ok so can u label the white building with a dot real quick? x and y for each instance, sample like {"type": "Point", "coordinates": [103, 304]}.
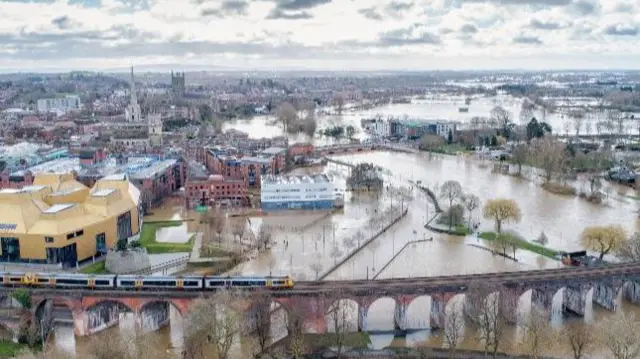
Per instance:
{"type": "Point", "coordinates": [65, 104]}
{"type": "Point", "coordinates": [378, 127]}
{"type": "Point", "coordinates": [297, 192]}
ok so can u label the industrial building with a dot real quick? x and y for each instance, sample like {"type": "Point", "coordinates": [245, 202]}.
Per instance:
{"type": "Point", "coordinates": [59, 221]}
{"type": "Point", "coordinates": [314, 192]}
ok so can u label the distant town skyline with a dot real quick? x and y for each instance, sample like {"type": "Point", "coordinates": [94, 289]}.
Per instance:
{"type": "Point", "coordinates": [63, 35]}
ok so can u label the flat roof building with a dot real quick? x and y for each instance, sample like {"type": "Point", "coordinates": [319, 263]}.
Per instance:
{"type": "Point", "coordinates": [58, 220]}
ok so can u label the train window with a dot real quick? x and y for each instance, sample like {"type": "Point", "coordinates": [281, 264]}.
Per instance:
{"type": "Point", "coordinates": [102, 282]}
{"type": "Point", "coordinates": [191, 283]}
{"type": "Point", "coordinates": [126, 282]}
{"type": "Point", "coordinates": [15, 279]}
{"type": "Point", "coordinates": [161, 283]}
{"type": "Point", "coordinates": [278, 282]}
{"type": "Point", "coordinates": [216, 283]}
{"type": "Point", "coordinates": [71, 281]}
{"type": "Point", "coordinates": [43, 280]}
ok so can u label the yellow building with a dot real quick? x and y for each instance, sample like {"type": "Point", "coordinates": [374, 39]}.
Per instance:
{"type": "Point", "coordinates": [58, 220]}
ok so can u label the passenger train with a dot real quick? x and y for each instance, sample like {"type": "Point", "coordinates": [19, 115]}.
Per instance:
{"type": "Point", "coordinates": [137, 282]}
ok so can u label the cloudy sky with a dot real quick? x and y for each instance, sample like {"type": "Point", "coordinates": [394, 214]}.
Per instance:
{"type": "Point", "coordinates": [321, 34]}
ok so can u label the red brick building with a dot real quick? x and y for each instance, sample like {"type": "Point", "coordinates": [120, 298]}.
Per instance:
{"type": "Point", "coordinates": [233, 166]}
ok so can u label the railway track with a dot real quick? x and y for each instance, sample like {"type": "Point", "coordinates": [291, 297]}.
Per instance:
{"type": "Point", "coordinates": [401, 285]}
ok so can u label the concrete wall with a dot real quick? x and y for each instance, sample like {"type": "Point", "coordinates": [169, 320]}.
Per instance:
{"type": "Point", "coordinates": [127, 261]}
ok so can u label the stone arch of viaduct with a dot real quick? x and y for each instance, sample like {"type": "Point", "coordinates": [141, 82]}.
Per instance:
{"type": "Point", "coordinates": [81, 308]}
{"type": "Point", "coordinates": [313, 310]}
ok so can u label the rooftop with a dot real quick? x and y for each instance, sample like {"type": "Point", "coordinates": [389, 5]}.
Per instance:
{"type": "Point", "coordinates": [31, 211]}
{"type": "Point", "coordinates": [58, 207]}
{"type": "Point", "coordinates": [273, 150]}
{"type": "Point", "coordinates": [103, 192]}
{"type": "Point", "coordinates": [136, 167]}
{"type": "Point", "coordinates": [271, 179]}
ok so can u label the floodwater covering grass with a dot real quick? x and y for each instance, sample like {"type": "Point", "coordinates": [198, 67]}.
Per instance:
{"type": "Point", "coordinates": [95, 268]}
{"type": "Point", "coordinates": [148, 239]}
{"type": "Point", "coordinates": [522, 244]}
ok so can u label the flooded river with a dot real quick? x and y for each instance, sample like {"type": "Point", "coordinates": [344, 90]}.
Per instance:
{"type": "Point", "coordinates": [305, 239]}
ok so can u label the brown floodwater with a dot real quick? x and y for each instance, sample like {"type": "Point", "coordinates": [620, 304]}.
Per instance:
{"type": "Point", "coordinates": [308, 238]}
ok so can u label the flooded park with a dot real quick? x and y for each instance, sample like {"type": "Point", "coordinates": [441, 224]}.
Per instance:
{"type": "Point", "coordinates": [308, 245]}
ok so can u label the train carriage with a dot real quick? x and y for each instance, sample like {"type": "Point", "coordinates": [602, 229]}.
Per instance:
{"type": "Point", "coordinates": [215, 282]}
{"type": "Point", "coordinates": [151, 282]}
{"type": "Point", "coordinates": [63, 280]}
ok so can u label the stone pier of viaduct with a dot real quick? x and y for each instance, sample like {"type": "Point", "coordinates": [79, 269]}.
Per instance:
{"type": "Point", "coordinates": [313, 302]}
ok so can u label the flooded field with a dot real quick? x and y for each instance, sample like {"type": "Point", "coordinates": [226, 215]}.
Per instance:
{"type": "Point", "coordinates": [303, 240]}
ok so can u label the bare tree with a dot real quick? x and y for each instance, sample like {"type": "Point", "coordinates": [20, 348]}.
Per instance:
{"type": "Point", "coordinates": [264, 236]}
{"type": "Point", "coordinates": [212, 323]}
{"type": "Point", "coordinates": [519, 156]}
{"type": "Point", "coordinates": [260, 318]}
{"type": "Point", "coordinates": [580, 339]}
{"type": "Point", "coordinates": [471, 203]}
{"type": "Point", "coordinates": [338, 102]}
{"type": "Point", "coordinates": [287, 114]}
{"type": "Point", "coordinates": [215, 222]}
{"type": "Point", "coordinates": [536, 333]}
{"type": "Point", "coordinates": [549, 156]}
{"type": "Point", "coordinates": [488, 317]}
{"type": "Point", "coordinates": [295, 328]}
{"type": "Point", "coordinates": [588, 127]}
{"type": "Point", "coordinates": [238, 228]}
{"type": "Point", "coordinates": [316, 267]}
{"type": "Point", "coordinates": [621, 335]}
{"type": "Point", "coordinates": [502, 118]}
{"type": "Point", "coordinates": [629, 250]}
{"type": "Point", "coordinates": [451, 191]}
{"type": "Point", "coordinates": [340, 314]}
{"type": "Point", "coordinates": [615, 122]}
{"type": "Point", "coordinates": [454, 322]}
{"type": "Point", "coordinates": [335, 253]}
{"type": "Point", "coordinates": [577, 116]}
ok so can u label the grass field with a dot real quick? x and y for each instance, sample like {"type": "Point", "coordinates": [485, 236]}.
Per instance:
{"type": "Point", "coordinates": [523, 244]}
{"type": "Point", "coordinates": [148, 239]}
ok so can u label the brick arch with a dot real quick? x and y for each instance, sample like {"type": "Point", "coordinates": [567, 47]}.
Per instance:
{"type": "Point", "coordinates": [179, 304]}
{"type": "Point", "coordinates": [93, 304]}
{"type": "Point", "coordinates": [74, 305]}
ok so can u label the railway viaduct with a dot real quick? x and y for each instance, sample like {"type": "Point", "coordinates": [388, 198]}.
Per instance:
{"type": "Point", "coordinates": [95, 310]}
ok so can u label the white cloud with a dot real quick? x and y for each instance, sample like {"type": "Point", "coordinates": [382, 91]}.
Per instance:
{"type": "Point", "coordinates": [404, 34]}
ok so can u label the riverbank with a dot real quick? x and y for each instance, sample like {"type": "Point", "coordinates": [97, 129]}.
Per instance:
{"type": "Point", "coordinates": [519, 243]}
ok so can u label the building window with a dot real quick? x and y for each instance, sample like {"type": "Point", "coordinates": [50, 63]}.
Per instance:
{"type": "Point", "coordinates": [101, 243]}
{"type": "Point", "coordinates": [70, 236]}
{"type": "Point", "coordinates": [79, 233]}
{"type": "Point", "coordinates": [124, 226]}
{"type": "Point", "coordinates": [10, 249]}
{"type": "Point", "coordinates": [48, 239]}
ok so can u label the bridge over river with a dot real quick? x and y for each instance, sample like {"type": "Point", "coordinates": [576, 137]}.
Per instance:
{"type": "Point", "coordinates": [94, 310]}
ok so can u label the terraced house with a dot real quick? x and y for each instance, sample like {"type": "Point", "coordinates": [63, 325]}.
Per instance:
{"type": "Point", "coordinates": [59, 221]}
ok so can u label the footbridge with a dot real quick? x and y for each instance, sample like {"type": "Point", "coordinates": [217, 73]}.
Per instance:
{"type": "Point", "coordinates": [94, 310]}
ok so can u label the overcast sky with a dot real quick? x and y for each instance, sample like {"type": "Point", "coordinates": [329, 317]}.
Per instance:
{"type": "Point", "coordinates": [321, 34]}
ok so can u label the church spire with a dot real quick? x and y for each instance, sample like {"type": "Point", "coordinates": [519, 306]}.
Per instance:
{"type": "Point", "coordinates": [134, 99]}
